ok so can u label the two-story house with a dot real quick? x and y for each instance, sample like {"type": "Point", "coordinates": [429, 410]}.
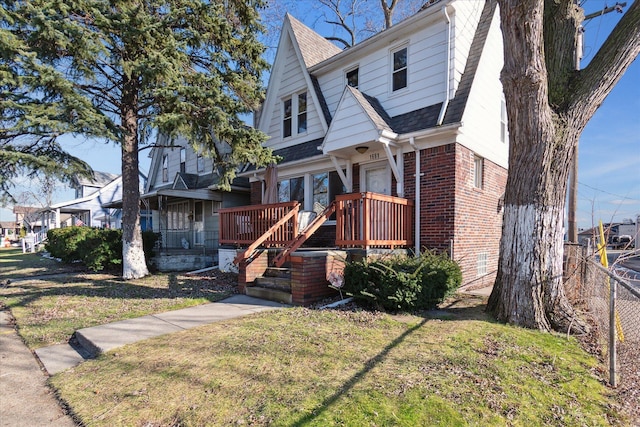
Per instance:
{"type": "Point", "coordinates": [183, 195]}
{"type": "Point", "coordinates": [405, 131]}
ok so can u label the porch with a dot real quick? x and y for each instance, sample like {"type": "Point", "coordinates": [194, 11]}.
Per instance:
{"type": "Point", "coordinates": [265, 238]}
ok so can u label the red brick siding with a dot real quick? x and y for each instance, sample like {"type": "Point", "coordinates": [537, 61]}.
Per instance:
{"type": "Point", "coordinates": [478, 217]}
{"type": "Point", "coordinates": [249, 271]}
{"type": "Point", "coordinates": [309, 277]}
{"type": "Point", "coordinates": [453, 211]}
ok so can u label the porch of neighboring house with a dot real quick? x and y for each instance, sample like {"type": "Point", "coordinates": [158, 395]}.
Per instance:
{"type": "Point", "coordinates": [187, 232]}
{"type": "Point", "coordinates": [269, 243]}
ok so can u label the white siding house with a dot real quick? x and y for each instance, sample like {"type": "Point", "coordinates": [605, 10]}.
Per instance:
{"type": "Point", "coordinates": [415, 112]}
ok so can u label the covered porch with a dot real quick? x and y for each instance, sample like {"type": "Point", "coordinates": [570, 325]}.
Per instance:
{"type": "Point", "coordinates": [264, 238]}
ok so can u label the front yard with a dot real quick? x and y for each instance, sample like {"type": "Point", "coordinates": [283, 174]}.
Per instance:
{"type": "Point", "coordinates": [299, 366]}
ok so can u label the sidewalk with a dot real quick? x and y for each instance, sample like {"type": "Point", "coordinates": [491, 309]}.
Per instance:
{"type": "Point", "coordinates": [25, 400]}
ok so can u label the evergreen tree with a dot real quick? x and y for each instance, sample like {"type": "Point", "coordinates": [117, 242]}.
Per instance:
{"type": "Point", "coordinates": [183, 67]}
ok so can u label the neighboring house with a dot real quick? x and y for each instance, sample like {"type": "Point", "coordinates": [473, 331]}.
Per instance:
{"type": "Point", "coordinates": [9, 230]}
{"type": "Point", "coordinates": [89, 208]}
{"type": "Point", "coordinates": [27, 217]}
{"type": "Point", "coordinates": [183, 195]}
{"type": "Point", "coordinates": [405, 131]}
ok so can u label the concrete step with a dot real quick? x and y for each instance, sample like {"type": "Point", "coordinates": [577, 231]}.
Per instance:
{"type": "Point", "coordinates": [269, 294]}
{"type": "Point", "coordinates": [278, 283]}
{"type": "Point", "coordinates": [278, 272]}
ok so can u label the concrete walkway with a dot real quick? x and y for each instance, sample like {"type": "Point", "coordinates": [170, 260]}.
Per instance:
{"type": "Point", "coordinates": [25, 399]}
{"type": "Point", "coordinates": [99, 339]}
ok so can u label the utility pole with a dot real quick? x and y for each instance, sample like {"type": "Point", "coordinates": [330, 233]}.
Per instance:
{"type": "Point", "coordinates": [572, 223]}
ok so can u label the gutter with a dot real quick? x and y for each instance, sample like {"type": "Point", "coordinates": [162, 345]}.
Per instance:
{"type": "Point", "coordinates": [412, 141]}
{"type": "Point", "coordinates": [445, 104]}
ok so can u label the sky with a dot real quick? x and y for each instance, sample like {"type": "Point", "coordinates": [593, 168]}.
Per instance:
{"type": "Point", "coordinates": [609, 151]}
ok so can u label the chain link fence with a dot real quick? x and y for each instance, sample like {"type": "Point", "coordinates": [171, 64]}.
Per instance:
{"type": "Point", "coordinates": [611, 298]}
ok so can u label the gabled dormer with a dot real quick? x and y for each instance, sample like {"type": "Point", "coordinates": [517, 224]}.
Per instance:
{"type": "Point", "coordinates": [295, 108]}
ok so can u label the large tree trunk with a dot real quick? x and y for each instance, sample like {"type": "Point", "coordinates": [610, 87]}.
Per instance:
{"type": "Point", "coordinates": [528, 290]}
{"type": "Point", "coordinates": [134, 265]}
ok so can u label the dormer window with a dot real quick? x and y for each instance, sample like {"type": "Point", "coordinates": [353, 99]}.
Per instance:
{"type": "Point", "coordinates": [297, 103]}
{"type": "Point", "coordinates": [183, 160]}
{"type": "Point", "coordinates": [302, 112]}
{"type": "Point", "coordinates": [399, 78]}
{"type": "Point", "coordinates": [200, 163]}
{"type": "Point", "coordinates": [352, 78]}
{"type": "Point", "coordinates": [286, 121]}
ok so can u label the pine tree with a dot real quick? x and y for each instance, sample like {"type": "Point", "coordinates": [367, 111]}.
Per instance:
{"type": "Point", "coordinates": [184, 67]}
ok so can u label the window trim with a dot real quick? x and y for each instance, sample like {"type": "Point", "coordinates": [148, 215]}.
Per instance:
{"type": "Point", "coordinates": [504, 121]}
{"type": "Point", "coordinates": [393, 71]}
{"type": "Point", "coordinates": [183, 159]}
{"type": "Point", "coordinates": [287, 118]}
{"type": "Point", "coordinates": [301, 113]}
{"type": "Point", "coordinates": [357, 73]}
{"type": "Point", "coordinates": [165, 168]}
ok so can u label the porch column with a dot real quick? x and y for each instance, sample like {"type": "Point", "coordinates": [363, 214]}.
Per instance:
{"type": "Point", "coordinates": [57, 218]}
{"type": "Point", "coordinates": [397, 170]}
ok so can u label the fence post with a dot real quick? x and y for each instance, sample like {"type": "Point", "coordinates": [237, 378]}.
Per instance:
{"type": "Point", "coordinates": [612, 332]}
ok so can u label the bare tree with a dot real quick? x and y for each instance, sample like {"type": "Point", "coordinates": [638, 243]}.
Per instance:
{"type": "Point", "coordinates": [549, 103]}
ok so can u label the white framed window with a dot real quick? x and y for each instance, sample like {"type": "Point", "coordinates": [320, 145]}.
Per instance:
{"type": "Point", "coordinates": [297, 103]}
{"type": "Point", "coordinates": [178, 216]}
{"type": "Point", "coordinates": [478, 171]}
{"type": "Point", "coordinates": [286, 118]}
{"type": "Point", "coordinates": [183, 159]}
{"type": "Point", "coordinates": [302, 112]}
{"type": "Point", "coordinates": [352, 77]}
{"type": "Point", "coordinates": [399, 72]}
{"type": "Point", "coordinates": [200, 163]}
{"type": "Point", "coordinates": [504, 130]}
{"type": "Point", "coordinates": [481, 264]}
{"type": "Point", "coordinates": [320, 192]}
{"type": "Point", "coordinates": [165, 168]}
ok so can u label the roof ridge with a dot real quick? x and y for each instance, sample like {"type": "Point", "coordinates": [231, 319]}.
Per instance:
{"type": "Point", "coordinates": [313, 47]}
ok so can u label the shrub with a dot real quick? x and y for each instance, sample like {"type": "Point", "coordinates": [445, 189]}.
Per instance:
{"type": "Point", "coordinates": [101, 248]}
{"type": "Point", "coordinates": [95, 247]}
{"type": "Point", "coordinates": [402, 282]}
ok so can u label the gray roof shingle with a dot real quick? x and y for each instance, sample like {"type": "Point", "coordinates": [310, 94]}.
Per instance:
{"type": "Point", "coordinates": [313, 46]}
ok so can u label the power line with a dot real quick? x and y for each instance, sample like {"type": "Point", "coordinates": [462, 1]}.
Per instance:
{"type": "Point", "coordinates": [606, 192]}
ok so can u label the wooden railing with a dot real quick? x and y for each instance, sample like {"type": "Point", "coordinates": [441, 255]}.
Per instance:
{"type": "Point", "coordinates": [373, 220]}
{"type": "Point", "coordinates": [242, 226]}
{"type": "Point", "coordinates": [367, 220]}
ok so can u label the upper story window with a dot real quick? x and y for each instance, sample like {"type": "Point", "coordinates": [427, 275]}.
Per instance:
{"type": "Point", "coordinates": [399, 78]}
{"type": "Point", "coordinates": [297, 103]}
{"type": "Point", "coordinates": [286, 121]}
{"type": "Point", "coordinates": [352, 78]}
{"type": "Point", "coordinates": [504, 130]}
{"type": "Point", "coordinates": [165, 168]}
{"type": "Point", "coordinates": [183, 160]}
{"type": "Point", "coordinates": [200, 162]}
{"type": "Point", "coordinates": [302, 112]}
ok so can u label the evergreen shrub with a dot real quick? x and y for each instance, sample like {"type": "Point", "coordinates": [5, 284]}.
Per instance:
{"type": "Point", "coordinates": [96, 248]}
{"type": "Point", "coordinates": [403, 283]}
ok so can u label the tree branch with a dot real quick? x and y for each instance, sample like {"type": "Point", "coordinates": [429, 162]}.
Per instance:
{"type": "Point", "coordinates": [592, 85]}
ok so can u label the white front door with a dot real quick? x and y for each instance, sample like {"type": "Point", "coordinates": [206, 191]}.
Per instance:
{"type": "Point", "coordinates": [377, 179]}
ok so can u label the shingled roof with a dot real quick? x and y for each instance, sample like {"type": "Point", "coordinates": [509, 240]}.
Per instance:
{"type": "Point", "coordinates": [313, 46]}
{"type": "Point", "coordinates": [456, 106]}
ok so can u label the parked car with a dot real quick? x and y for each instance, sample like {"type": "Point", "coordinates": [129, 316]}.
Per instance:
{"type": "Point", "coordinates": [621, 242]}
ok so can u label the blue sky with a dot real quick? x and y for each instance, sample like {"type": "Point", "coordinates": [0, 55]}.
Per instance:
{"type": "Point", "coordinates": [609, 152]}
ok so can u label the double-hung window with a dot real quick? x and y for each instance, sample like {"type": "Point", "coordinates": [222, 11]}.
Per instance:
{"type": "Point", "coordinates": [297, 103]}
{"type": "Point", "coordinates": [183, 160]}
{"type": "Point", "coordinates": [287, 120]}
{"type": "Point", "coordinates": [399, 77]}
{"type": "Point", "coordinates": [165, 168]}
{"type": "Point", "coordinates": [352, 78]}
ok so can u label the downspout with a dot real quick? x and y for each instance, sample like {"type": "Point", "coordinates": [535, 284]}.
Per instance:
{"type": "Point", "coordinates": [412, 141]}
{"type": "Point", "coordinates": [445, 104]}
